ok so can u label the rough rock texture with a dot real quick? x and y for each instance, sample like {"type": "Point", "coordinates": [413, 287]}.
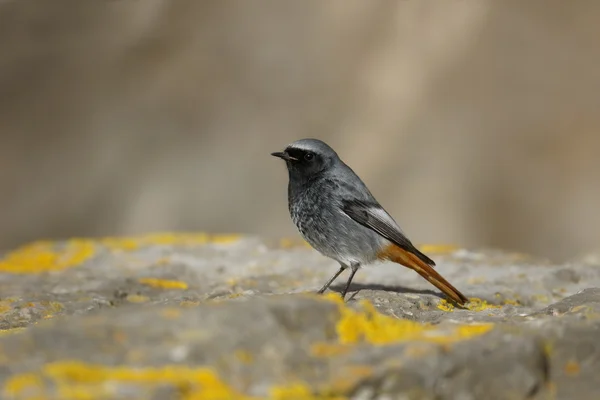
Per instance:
{"type": "Point", "coordinates": [224, 317]}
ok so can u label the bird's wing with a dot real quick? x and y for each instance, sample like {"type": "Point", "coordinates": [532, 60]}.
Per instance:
{"type": "Point", "coordinates": [373, 216]}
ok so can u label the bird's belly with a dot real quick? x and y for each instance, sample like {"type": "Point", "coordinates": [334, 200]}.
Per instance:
{"type": "Point", "coordinates": [336, 235]}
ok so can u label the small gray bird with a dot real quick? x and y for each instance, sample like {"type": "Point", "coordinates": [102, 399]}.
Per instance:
{"type": "Point", "coordinates": [339, 217]}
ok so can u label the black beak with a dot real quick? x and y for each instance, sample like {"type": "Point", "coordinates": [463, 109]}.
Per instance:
{"type": "Point", "coordinates": [283, 155]}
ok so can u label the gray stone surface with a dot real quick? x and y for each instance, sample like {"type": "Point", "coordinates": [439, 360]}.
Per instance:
{"type": "Point", "coordinates": [212, 317]}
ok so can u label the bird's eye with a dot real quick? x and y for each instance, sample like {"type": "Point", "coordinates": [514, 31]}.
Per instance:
{"type": "Point", "coordinates": [308, 156]}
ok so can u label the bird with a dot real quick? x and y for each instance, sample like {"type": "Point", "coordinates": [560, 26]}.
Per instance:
{"type": "Point", "coordinates": [338, 216]}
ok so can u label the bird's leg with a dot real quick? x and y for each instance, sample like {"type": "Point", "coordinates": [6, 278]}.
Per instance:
{"type": "Point", "coordinates": [330, 281]}
{"type": "Point", "coordinates": [355, 268]}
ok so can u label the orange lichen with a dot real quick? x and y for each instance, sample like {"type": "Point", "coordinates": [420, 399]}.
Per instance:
{"type": "Point", "coordinates": [286, 243]}
{"type": "Point", "coordinates": [119, 337]}
{"type": "Point", "coordinates": [171, 313]}
{"type": "Point", "coordinates": [163, 283]}
{"type": "Point", "coordinates": [572, 368]}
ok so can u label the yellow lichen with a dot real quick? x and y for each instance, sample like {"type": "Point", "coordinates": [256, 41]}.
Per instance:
{"type": "Point", "coordinates": [541, 298]}
{"type": "Point", "coordinates": [51, 308]}
{"type": "Point", "coordinates": [44, 256]}
{"type": "Point", "coordinates": [445, 305]}
{"type": "Point", "coordinates": [476, 280]}
{"type": "Point", "coordinates": [438, 248]}
{"type": "Point", "coordinates": [189, 303]}
{"type": "Point", "coordinates": [370, 326]}
{"type": "Point", "coordinates": [75, 380]}
{"type": "Point", "coordinates": [47, 256]}
{"type": "Point", "coordinates": [137, 298]}
{"type": "Point", "coordinates": [469, 331]}
{"type": "Point", "coordinates": [417, 350]}
{"type": "Point", "coordinates": [299, 391]}
{"type": "Point", "coordinates": [548, 348]}
{"type": "Point", "coordinates": [163, 283]}
{"type": "Point", "coordinates": [224, 239]}
{"type": "Point", "coordinates": [579, 308]}
{"type": "Point", "coordinates": [330, 296]}
{"type": "Point", "coordinates": [244, 356]}
{"type": "Point", "coordinates": [328, 349]}
{"type": "Point", "coordinates": [120, 244]}
{"type": "Point", "coordinates": [28, 386]}
{"type": "Point", "coordinates": [78, 381]}
{"type": "Point", "coordinates": [288, 243]}
{"type": "Point", "coordinates": [166, 239]}
{"type": "Point", "coordinates": [163, 261]}
{"type": "Point", "coordinates": [348, 376]}
{"type": "Point", "coordinates": [5, 306]}
{"type": "Point", "coordinates": [11, 330]}
{"type": "Point", "coordinates": [476, 304]}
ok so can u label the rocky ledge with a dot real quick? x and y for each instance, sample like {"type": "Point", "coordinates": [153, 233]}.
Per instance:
{"type": "Point", "coordinates": [195, 316]}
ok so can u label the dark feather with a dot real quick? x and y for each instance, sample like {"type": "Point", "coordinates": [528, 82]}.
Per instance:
{"type": "Point", "coordinates": [373, 216]}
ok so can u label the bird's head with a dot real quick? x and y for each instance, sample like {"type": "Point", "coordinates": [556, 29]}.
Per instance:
{"type": "Point", "coordinates": [307, 158]}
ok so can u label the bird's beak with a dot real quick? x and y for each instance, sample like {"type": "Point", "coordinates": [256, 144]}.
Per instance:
{"type": "Point", "coordinates": [285, 156]}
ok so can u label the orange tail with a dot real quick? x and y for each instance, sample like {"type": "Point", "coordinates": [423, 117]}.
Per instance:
{"type": "Point", "coordinates": [403, 257]}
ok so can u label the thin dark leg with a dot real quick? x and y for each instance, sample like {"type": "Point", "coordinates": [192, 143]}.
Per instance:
{"type": "Point", "coordinates": [354, 269]}
{"type": "Point", "coordinates": [329, 282]}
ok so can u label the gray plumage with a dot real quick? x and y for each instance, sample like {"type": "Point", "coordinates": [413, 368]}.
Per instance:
{"type": "Point", "coordinates": [335, 212]}
{"type": "Point", "coordinates": [316, 205]}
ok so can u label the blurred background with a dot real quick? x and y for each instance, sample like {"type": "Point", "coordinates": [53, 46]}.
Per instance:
{"type": "Point", "coordinates": [474, 122]}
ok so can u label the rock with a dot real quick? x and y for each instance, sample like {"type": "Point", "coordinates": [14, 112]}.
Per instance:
{"type": "Point", "coordinates": [195, 316]}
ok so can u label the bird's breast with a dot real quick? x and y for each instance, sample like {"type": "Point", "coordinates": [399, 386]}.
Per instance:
{"type": "Point", "coordinates": [322, 223]}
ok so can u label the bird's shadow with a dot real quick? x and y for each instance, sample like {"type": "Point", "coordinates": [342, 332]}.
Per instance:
{"type": "Point", "coordinates": [357, 287]}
